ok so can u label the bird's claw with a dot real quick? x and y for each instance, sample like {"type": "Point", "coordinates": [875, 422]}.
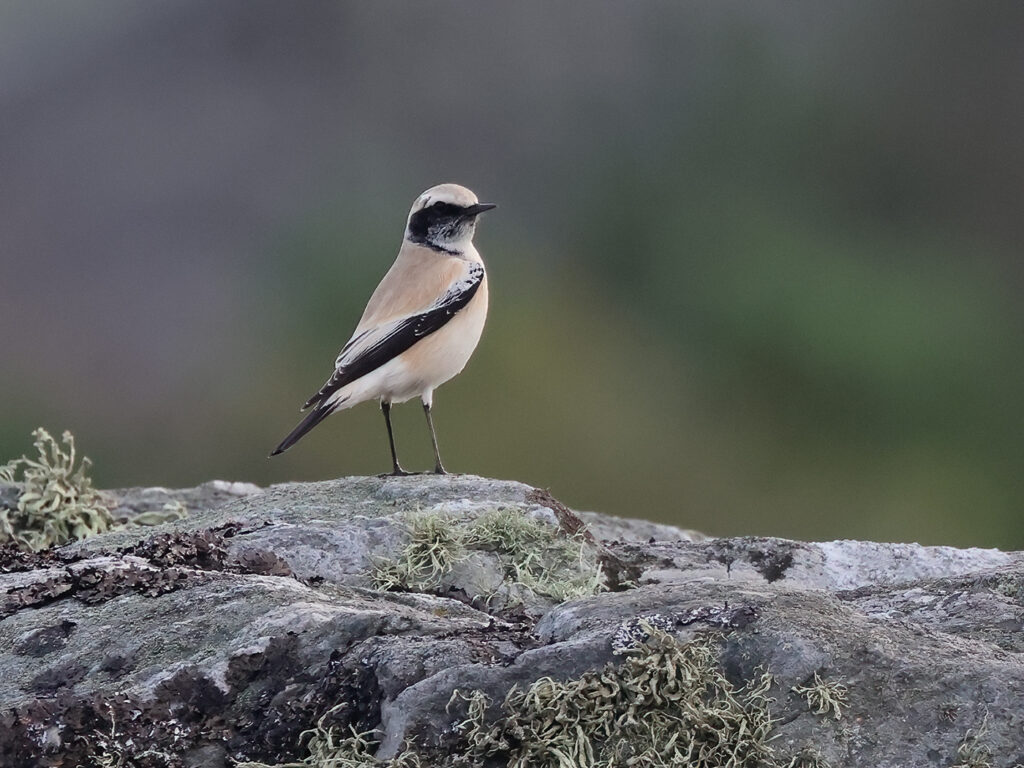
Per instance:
{"type": "Point", "coordinates": [397, 472]}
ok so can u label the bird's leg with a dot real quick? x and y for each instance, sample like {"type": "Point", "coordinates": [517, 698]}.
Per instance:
{"type": "Point", "coordinates": [438, 466]}
{"type": "Point", "coordinates": [397, 468]}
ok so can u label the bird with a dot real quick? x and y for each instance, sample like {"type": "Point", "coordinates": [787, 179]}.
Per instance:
{"type": "Point", "coordinates": [422, 322]}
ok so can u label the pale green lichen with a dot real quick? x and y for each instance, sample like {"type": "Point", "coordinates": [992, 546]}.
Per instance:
{"type": "Point", "coordinates": [809, 758]}
{"type": "Point", "coordinates": [537, 556]}
{"type": "Point", "coordinates": [168, 513]}
{"type": "Point", "coordinates": [435, 543]}
{"type": "Point", "coordinates": [973, 752]}
{"type": "Point", "coordinates": [509, 532]}
{"type": "Point", "coordinates": [669, 704]}
{"type": "Point", "coordinates": [533, 555]}
{"type": "Point", "coordinates": [823, 698]}
{"type": "Point", "coordinates": [56, 502]}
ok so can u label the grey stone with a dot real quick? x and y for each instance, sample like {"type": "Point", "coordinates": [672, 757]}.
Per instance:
{"type": "Point", "coordinates": [222, 635]}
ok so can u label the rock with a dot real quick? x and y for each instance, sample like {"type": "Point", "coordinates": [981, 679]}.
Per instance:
{"type": "Point", "coordinates": [223, 635]}
{"type": "Point", "coordinates": [610, 528]}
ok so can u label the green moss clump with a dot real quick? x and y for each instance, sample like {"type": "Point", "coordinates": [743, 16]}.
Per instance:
{"type": "Point", "coordinates": [668, 704]}
{"type": "Point", "coordinates": [823, 698]}
{"type": "Point", "coordinates": [57, 502]}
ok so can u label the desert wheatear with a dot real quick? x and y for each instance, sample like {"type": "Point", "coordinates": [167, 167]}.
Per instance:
{"type": "Point", "coordinates": [421, 324]}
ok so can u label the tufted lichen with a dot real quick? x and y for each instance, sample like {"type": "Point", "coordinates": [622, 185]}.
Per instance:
{"type": "Point", "coordinates": [823, 698]}
{"type": "Point", "coordinates": [435, 543]}
{"type": "Point", "coordinates": [668, 704]}
{"type": "Point", "coordinates": [56, 502]}
{"type": "Point", "coordinates": [537, 557]}
{"type": "Point", "coordinates": [534, 556]}
{"type": "Point", "coordinates": [973, 751]}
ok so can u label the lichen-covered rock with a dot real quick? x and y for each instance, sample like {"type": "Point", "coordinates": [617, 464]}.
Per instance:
{"type": "Point", "coordinates": [222, 635]}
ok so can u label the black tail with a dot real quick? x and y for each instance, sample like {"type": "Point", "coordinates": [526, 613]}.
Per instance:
{"type": "Point", "coordinates": [313, 418]}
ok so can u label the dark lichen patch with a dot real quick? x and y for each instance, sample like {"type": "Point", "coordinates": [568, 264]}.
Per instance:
{"type": "Point", "coordinates": [721, 616]}
{"type": "Point", "coordinates": [92, 584]}
{"type": "Point", "coordinates": [45, 640]}
{"type": "Point", "coordinates": [36, 594]}
{"type": "Point", "coordinates": [263, 563]}
{"type": "Point", "coordinates": [275, 659]}
{"type": "Point", "coordinates": [207, 550]}
{"type": "Point", "coordinates": [98, 733]}
{"type": "Point", "coordinates": [260, 717]}
{"type": "Point", "coordinates": [117, 664]}
{"type": "Point", "coordinates": [291, 700]}
{"type": "Point", "coordinates": [498, 642]}
{"type": "Point", "coordinates": [771, 563]}
{"type": "Point", "coordinates": [771, 558]}
{"type": "Point", "coordinates": [14, 559]}
{"type": "Point", "coordinates": [191, 696]}
{"type": "Point", "coordinates": [170, 562]}
{"type": "Point", "coordinates": [62, 675]}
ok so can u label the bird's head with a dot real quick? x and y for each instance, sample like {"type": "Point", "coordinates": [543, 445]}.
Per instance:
{"type": "Point", "coordinates": [444, 218]}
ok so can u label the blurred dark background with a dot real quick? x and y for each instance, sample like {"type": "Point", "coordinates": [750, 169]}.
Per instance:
{"type": "Point", "coordinates": [756, 267]}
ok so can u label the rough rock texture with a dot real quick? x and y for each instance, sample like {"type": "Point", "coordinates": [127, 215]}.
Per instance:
{"type": "Point", "coordinates": [226, 633]}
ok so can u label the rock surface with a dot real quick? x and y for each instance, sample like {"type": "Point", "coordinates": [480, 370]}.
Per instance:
{"type": "Point", "coordinates": [222, 635]}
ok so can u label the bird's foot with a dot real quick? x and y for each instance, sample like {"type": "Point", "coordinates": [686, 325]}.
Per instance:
{"type": "Point", "coordinates": [440, 470]}
{"type": "Point", "coordinates": [397, 472]}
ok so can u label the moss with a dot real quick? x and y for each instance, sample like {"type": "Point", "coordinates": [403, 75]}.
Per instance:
{"type": "Point", "coordinates": [823, 698]}
{"type": "Point", "coordinates": [57, 502]}
{"type": "Point", "coordinates": [533, 555]}
{"type": "Point", "coordinates": [668, 704]}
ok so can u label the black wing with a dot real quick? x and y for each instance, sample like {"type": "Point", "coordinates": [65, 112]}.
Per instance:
{"type": "Point", "coordinates": [397, 340]}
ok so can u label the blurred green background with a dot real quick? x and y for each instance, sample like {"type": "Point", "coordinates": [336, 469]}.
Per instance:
{"type": "Point", "coordinates": [756, 267]}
